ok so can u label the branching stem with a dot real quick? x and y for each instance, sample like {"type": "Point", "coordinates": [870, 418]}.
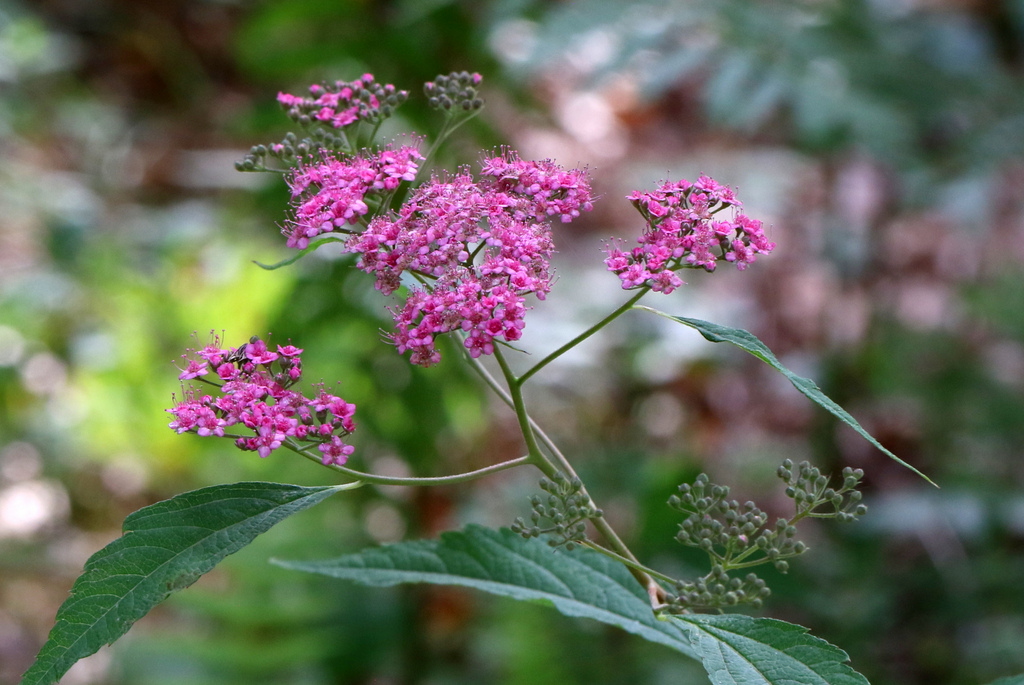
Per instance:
{"type": "Point", "coordinates": [375, 479]}
{"type": "Point", "coordinates": [513, 397]}
{"type": "Point", "coordinates": [584, 335]}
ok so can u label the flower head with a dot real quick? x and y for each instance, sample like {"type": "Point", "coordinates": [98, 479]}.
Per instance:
{"type": "Point", "coordinates": [477, 247]}
{"type": "Point", "coordinates": [684, 231]}
{"type": "Point", "coordinates": [330, 192]}
{"type": "Point", "coordinates": [256, 395]}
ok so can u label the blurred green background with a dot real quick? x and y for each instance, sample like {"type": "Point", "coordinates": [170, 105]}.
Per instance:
{"type": "Point", "coordinates": [881, 140]}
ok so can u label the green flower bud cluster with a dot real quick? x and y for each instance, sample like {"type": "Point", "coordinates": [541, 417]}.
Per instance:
{"type": "Point", "coordinates": [809, 489]}
{"type": "Point", "coordinates": [454, 91]}
{"type": "Point", "coordinates": [377, 101]}
{"type": "Point", "coordinates": [720, 527]}
{"type": "Point", "coordinates": [562, 514]}
{"type": "Point", "coordinates": [716, 591]}
{"type": "Point", "coordinates": [291, 148]}
{"type": "Point", "coordinates": [737, 536]}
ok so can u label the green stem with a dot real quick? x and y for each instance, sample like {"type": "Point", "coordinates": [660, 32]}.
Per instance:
{"type": "Point", "coordinates": [584, 335]}
{"type": "Point", "coordinates": [462, 121]}
{"type": "Point", "coordinates": [514, 398]}
{"type": "Point", "coordinates": [373, 132]}
{"type": "Point", "coordinates": [515, 390]}
{"type": "Point", "coordinates": [447, 129]}
{"type": "Point", "coordinates": [492, 382]}
{"type": "Point", "coordinates": [626, 561]}
{"type": "Point", "coordinates": [374, 479]}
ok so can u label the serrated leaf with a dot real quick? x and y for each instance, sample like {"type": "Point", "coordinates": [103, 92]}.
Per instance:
{"type": "Point", "coordinates": [750, 343]}
{"type": "Point", "coordinates": [165, 547]}
{"type": "Point", "coordinates": [740, 650]}
{"type": "Point", "coordinates": [578, 583]}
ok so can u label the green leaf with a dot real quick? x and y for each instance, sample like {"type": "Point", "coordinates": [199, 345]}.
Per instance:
{"type": "Point", "coordinates": [739, 649]}
{"type": "Point", "coordinates": [579, 583]}
{"type": "Point", "coordinates": [747, 341]}
{"type": "Point", "coordinates": [165, 547]}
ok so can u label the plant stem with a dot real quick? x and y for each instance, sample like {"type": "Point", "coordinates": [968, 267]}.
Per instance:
{"type": "Point", "coordinates": [514, 398]}
{"type": "Point", "coordinates": [584, 335]}
{"type": "Point", "coordinates": [515, 393]}
{"type": "Point", "coordinates": [374, 479]}
{"type": "Point", "coordinates": [631, 563]}
{"type": "Point", "coordinates": [451, 123]}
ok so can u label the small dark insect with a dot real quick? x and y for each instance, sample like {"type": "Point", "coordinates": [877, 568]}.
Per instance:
{"type": "Point", "coordinates": [237, 356]}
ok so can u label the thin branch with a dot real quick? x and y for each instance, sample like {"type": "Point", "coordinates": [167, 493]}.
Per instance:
{"type": "Point", "coordinates": [584, 335]}
{"type": "Point", "coordinates": [375, 479]}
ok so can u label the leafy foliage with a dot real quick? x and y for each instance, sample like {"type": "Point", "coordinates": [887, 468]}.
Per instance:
{"type": "Point", "coordinates": [500, 562]}
{"type": "Point", "coordinates": [165, 548]}
{"type": "Point", "coordinates": [740, 649]}
{"type": "Point", "coordinates": [748, 342]}
{"type": "Point", "coordinates": [733, 649]}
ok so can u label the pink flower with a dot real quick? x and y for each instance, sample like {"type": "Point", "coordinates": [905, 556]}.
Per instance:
{"type": "Point", "coordinates": [227, 371]}
{"type": "Point", "coordinates": [480, 248]}
{"type": "Point", "coordinates": [194, 369]}
{"type": "Point", "coordinates": [684, 232]}
{"type": "Point", "coordinates": [258, 353]}
{"type": "Point", "coordinates": [335, 451]}
{"type": "Point", "coordinates": [256, 396]}
{"type": "Point", "coordinates": [186, 413]}
{"type": "Point", "coordinates": [330, 193]}
{"type": "Point", "coordinates": [208, 423]}
{"type": "Point", "coordinates": [552, 189]}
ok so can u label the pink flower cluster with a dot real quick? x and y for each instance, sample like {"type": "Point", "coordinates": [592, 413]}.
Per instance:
{"type": "Point", "coordinates": [341, 103]}
{"type": "Point", "coordinates": [331, 192]}
{"type": "Point", "coordinates": [552, 191]}
{"type": "Point", "coordinates": [683, 232]}
{"type": "Point", "coordinates": [477, 247]}
{"type": "Point", "coordinates": [253, 383]}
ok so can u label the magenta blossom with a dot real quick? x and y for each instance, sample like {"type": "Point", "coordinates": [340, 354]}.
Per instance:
{"type": "Point", "coordinates": [477, 248]}
{"type": "Point", "coordinates": [683, 231]}
{"type": "Point", "coordinates": [256, 396]}
{"type": "Point", "coordinates": [330, 192]}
